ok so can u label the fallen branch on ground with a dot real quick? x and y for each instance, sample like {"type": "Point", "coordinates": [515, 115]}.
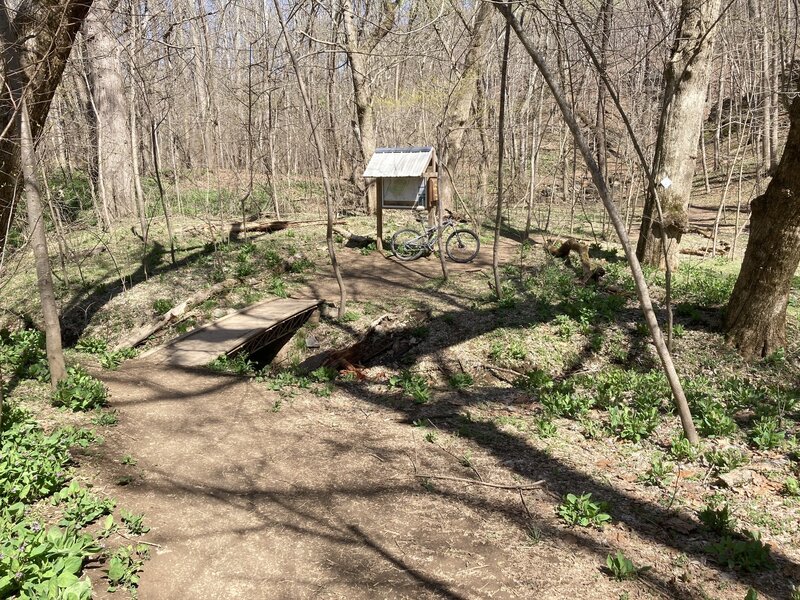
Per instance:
{"type": "Point", "coordinates": [354, 240]}
{"type": "Point", "coordinates": [591, 271]}
{"type": "Point", "coordinates": [140, 334]}
{"type": "Point", "coordinates": [501, 486]}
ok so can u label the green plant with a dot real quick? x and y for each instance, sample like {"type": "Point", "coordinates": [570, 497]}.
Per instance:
{"type": "Point", "coordinates": [128, 460]}
{"type": "Point", "coordinates": [124, 565]}
{"type": "Point", "coordinates": [133, 523]}
{"type": "Point", "coordinates": [162, 306]}
{"type": "Point", "coordinates": [791, 487]}
{"type": "Point", "coordinates": [622, 568]}
{"type": "Point", "coordinates": [111, 360]}
{"type": "Point", "coordinates": [277, 287]}
{"type": "Point", "coordinates": [711, 416]}
{"type": "Point", "coordinates": [92, 345]}
{"type": "Point", "coordinates": [22, 354]}
{"type": "Point", "coordinates": [766, 433]}
{"type": "Point", "coordinates": [747, 554]}
{"type": "Point", "coordinates": [106, 418]}
{"type": "Point", "coordinates": [507, 351]}
{"type": "Point", "coordinates": [534, 380]}
{"type": "Point", "coordinates": [592, 429]}
{"type": "Point", "coordinates": [42, 563]}
{"type": "Point", "coordinates": [81, 507]}
{"type": "Point", "coordinates": [631, 423]}
{"type": "Point", "coordinates": [581, 510]}
{"type": "Point", "coordinates": [460, 380]}
{"type": "Point", "coordinates": [726, 460]}
{"type": "Point", "coordinates": [323, 374]}
{"type": "Point", "coordinates": [561, 403]}
{"type": "Point", "coordinates": [546, 428]}
{"type": "Point", "coordinates": [350, 316]}
{"type": "Point", "coordinates": [79, 391]}
{"type": "Point", "coordinates": [658, 472]}
{"type": "Point", "coordinates": [751, 594]}
{"type": "Point", "coordinates": [413, 385]}
{"type": "Point", "coordinates": [719, 520]}
{"type": "Point", "coordinates": [238, 364]}
{"type": "Point", "coordinates": [682, 449]}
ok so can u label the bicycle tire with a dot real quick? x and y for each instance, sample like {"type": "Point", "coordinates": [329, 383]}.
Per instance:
{"type": "Point", "coordinates": [408, 248]}
{"type": "Point", "coordinates": [459, 245]}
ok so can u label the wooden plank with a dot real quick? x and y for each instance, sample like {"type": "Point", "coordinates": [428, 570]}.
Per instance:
{"type": "Point", "coordinates": [202, 345]}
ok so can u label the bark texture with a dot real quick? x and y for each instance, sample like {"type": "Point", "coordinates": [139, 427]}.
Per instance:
{"type": "Point", "coordinates": [685, 82]}
{"type": "Point", "coordinates": [36, 45]}
{"type": "Point", "coordinates": [108, 112]}
{"type": "Point", "coordinates": [755, 320]}
{"type": "Point", "coordinates": [44, 278]}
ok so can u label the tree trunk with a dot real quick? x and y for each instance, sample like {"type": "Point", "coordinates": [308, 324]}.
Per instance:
{"type": "Point", "coordinates": [44, 278]}
{"type": "Point", "coordinates": [457, 111]}
{"type": "Point", "coordinates": [685, 84]}
{"type": "Point", "coordinates": [48, 28]}
{"type": "Point", "coordinates": [109, 111]}
{"type": "Point", "coordinates": [755, 320]}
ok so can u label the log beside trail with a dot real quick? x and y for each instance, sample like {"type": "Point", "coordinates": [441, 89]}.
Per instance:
{"type": "Point", "coordinates": [140, 334]}
{"type": "Point", "coordinates": [591, 271]}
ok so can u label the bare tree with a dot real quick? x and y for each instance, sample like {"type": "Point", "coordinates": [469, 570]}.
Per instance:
{"type": "Point", "coordinates": [44, 278]}
{"type": "Point", "coordinates": [682, 109]}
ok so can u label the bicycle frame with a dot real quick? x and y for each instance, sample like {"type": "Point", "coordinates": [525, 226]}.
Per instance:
{"type": "Point", "coordinates": [431, 233]}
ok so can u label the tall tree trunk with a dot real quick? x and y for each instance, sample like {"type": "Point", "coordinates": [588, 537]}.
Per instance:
{"type": "Point", "coordinates": [109, 111]}
{"type": "Point", "coordinates": [36, 46]}
{"type": "Point", "coordinates": [44, 278]}
{"type": "Point", "coordinates": [457, 111]}
{"type": "Point", "coordinates": [755, 320]}
{"type": "Point", "coordinates": [501, 138]}
{"type": "Point", "coordinates": [685, 84]}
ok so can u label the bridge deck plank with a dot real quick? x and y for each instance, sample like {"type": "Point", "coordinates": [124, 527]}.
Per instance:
{"type": "Point", "coordinates": [200, 346]}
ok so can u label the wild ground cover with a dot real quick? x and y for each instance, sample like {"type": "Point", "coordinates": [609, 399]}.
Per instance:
{"type": "Point", "coordinates": [558, 372]}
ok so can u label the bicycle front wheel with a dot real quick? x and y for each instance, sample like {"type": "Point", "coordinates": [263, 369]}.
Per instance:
{"type": "Point", "coordinates": [408, 244]}
{"type": "Point", "coordinates": [462, 245]}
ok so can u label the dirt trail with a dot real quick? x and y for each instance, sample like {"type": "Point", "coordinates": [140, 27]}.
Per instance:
{"type": "Point", "coordinates": [316, 497]}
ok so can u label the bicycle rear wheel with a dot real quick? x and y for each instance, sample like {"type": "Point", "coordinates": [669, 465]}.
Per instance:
{"type": "Point", "coordinates": [408, 244]}
{"type": "Point", "coordinates": [462, 245]}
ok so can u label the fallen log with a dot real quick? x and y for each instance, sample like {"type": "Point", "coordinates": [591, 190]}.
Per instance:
{"type": "Point", "coordinates": [354, 240]}
{"type": "Point", "coordinates": [140, 334]}
{"type": "Point", "coordinates": [591, 271]}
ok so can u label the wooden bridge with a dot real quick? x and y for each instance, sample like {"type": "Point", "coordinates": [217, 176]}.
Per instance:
{"type": "Point", "coordinates": [259, 328]}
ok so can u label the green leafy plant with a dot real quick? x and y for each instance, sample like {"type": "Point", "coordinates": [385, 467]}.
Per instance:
{"type": "Point", "coordinates": [162, 306]}
{"type": "Point", "coordinates": [631, 423]}
{"type": "Point", "coordinates": [682, 449]}
{"type": "Point", "coordinates": [79, 391]}
{"type": "Point", "coordinates": [238, 364]}
{"type": "Point", "coordinates": [460, 380]}
{"type": "Point", "coordinates": [717, 519]}
{"type": "Point", "coordinates": [766, 433]}
{"type": "Point", "coordinates": [563, 403]}
{"type": "Point", "coordinates": [277, 287]}
{"type": "Point", "coordinates": [112, 360]}
{"type": "Point", "coordinates": [658, 472]}
{"type": "Point", "coordinates": [133, 523]}
{"type": "Point", "coordinates": [92, 345]}
{"type": "Point", "coordinates": [23, 355]}
{"type": "Point", "coordinates": [81, 507]}
{"type": "Point", "coordinates": [105, 418]}
{"type": "Point", "coordinates": [413, 385]}
{"type": "Point", "coordinates": [747, 554]}
{"type": "Point", "coordinates": [727, 459]}
{"type": "Point", "coordinates": [124, 566]}
{"type": "Point", "coordinates": [534, 380]}
{"type": "Point", "coordinates": [791, 487]}
{"type": "Point", "coordinates": [546, 428]}
{"type": "Point", "coordinates": [581, 510]}
{"type": "Point", "coordinates": [622, 568]}
{"type": "Point", "coordinates": [711, 416]}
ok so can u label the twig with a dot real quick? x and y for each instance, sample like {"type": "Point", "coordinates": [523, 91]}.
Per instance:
{"type": "Point", "coordinates": [524, 504]}
{"type": "Point", "coordinates": [501, 486]}
{"type": "Point", "coordinates": [122, 535]}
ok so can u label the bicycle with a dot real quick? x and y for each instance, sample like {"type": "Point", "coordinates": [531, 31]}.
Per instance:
{"type": "Point", "coordinates": [462, 245]}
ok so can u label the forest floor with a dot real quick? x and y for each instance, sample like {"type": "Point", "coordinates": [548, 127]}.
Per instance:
{"type": "Point", "coordinates": [276, 483]}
